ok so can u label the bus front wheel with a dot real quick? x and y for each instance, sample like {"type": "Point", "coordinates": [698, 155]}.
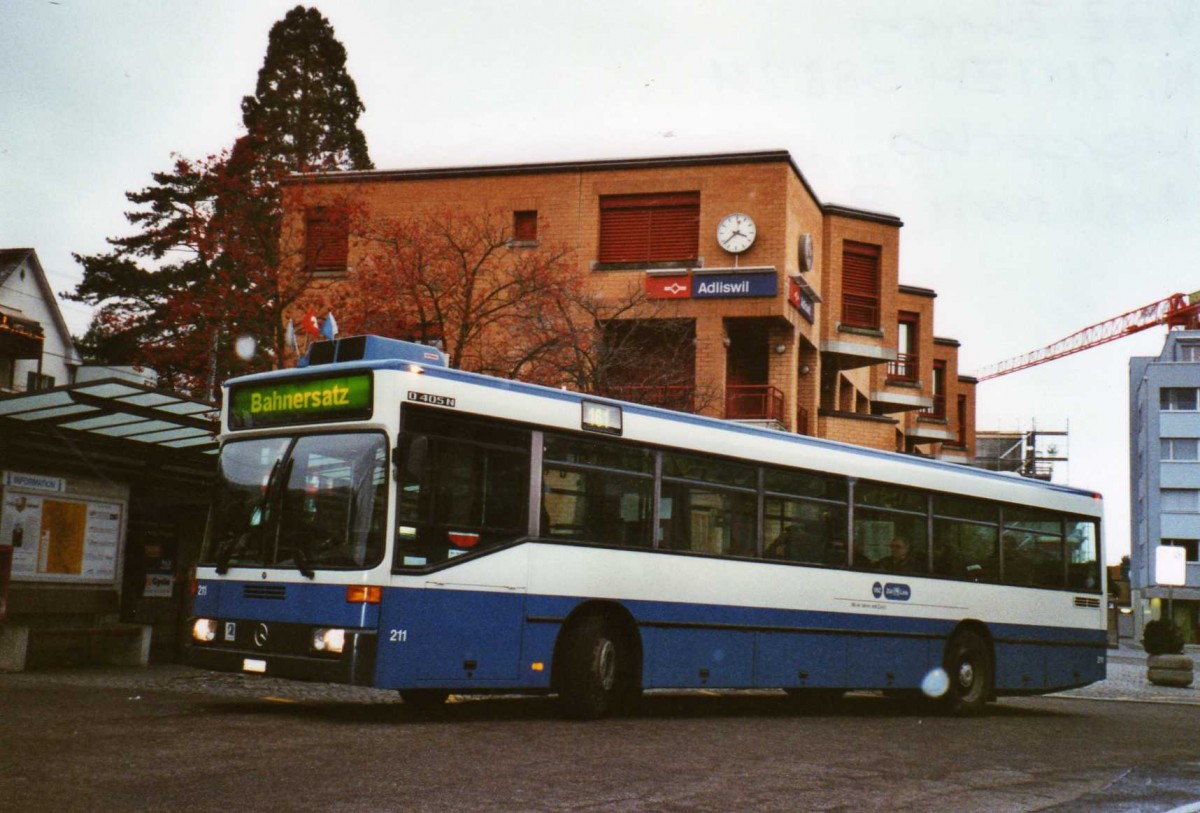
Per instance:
{"type": "Point", "coordinates": [968, 665]}
{"type": "Point", "coordinates": [592, 669]}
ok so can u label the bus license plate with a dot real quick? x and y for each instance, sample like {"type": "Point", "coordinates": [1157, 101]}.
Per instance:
{"type": "Point", "coordinates": [254, 665]}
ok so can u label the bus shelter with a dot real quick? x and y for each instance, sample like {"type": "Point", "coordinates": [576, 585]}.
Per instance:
{"type": "Point", "coordinates": [102, 506]}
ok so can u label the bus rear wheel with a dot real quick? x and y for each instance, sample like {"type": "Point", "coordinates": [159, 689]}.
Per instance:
{"type": "Point", "coordinates": [593, 664]}
{"type": "Point", "coordinates": [424, 701]}
{"type": "Point", "coordinates": [968, 665]}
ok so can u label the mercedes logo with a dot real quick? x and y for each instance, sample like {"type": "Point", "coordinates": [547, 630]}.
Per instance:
{"type": "Point", "coordinates": [261, 633]}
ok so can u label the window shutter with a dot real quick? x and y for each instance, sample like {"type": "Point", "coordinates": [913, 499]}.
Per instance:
{"type": "Point", "coordinates": [525, 226]}
{"type": "Point", "coordinates": [650, 228]}
{"type": "Point", "coordinates": [326, 241]}
{"type": "Point", "coordinates": [860, 285]}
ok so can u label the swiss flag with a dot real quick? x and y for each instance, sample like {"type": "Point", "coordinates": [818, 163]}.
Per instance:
{"type": "Point", "coordinates": [310, 324]}
{"type": "Point", "coordinates": [673, 286]}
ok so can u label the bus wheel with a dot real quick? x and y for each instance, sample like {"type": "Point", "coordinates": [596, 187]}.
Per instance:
{"type": "Point", "coordinates": [592, 661]}
{"type": "Point", "coordinates": [968, 665]}
{"type": "Point", "coordinates": [424, 701]}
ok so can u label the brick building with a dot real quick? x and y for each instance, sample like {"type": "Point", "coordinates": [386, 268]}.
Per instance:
{"type": "Point", "coordinates": [794, 306]}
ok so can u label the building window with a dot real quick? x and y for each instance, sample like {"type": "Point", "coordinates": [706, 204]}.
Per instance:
{"type": "Point", "coordinates": [961, 405]}
{"type": "Point", "coordinates": [1180, 501]}
{"type": "Point", "coordinates": [860, 285]}
{"type": "Point", "coordinates": [907, 364]}
{"type": "Point", "coordinates": [640, 229]}
{"type": "Point", "coordinates": [35, 382]}
{"type": "Point", "coordinates": [525, 226]}
{"type": "Point", "coordinates": [1188, 351]}
{"type": "Point", "coordinates": [7, 365]}
{"type": "Point", "coordinates": [1177, 399]}
{"type": "Point", "coordinates": [938, 410]}
{"type": "Point", "coordinates": [326, 241]}
{"type": "Point", "coordinates": [1192, 546]}
{"type": "Point", "coordinates": [1179, 449]}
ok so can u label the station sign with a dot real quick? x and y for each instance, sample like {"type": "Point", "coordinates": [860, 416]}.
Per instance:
{"type": "Point", "coordinates": [801, 300]}
{"type": "Point", "coordinates": [311, 400]}
{"type": "Point", "coordinates": [725, 285]}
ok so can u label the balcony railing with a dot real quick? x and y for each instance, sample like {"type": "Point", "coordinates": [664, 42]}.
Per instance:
{"type": "Point", "coordinates": [679, 397]}
{"type": "Point", "coordinates": [904, 368]}
{"type": "Point", "coordinates": [860, 311]}
{"type": "Point", "coordinates": [938, 410]}
{"type": "Point", "coordinates": [754, 401]}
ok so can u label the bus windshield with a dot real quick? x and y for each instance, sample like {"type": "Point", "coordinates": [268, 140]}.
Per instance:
{"type": "Point", "coordinates": [309, 502]}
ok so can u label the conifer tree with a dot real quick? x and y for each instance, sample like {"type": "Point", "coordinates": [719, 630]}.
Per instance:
{"type": "Point", "coordinates": [305, 108]}
{"type": "Point", "coordinates": [203, 267]}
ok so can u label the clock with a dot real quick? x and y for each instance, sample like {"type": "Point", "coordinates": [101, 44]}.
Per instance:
{"type": "Point", "coordinates": [806, 252]}
{"type": "Point", "coordinates": [736, 233]}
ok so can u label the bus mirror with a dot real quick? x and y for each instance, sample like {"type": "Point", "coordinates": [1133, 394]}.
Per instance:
{"type": "Point", "coordinates": [414, 450]}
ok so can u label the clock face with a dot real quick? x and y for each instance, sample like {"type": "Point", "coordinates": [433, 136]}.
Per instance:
{"type": "Point", "coordinates": [736, 233]}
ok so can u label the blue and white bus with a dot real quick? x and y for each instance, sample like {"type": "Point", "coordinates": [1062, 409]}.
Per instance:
{"type": "Point", "coordinates": [383, 520]}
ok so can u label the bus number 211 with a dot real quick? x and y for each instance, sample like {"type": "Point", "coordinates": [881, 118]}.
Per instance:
{"type": "Point", "coordinates": [398, 636]}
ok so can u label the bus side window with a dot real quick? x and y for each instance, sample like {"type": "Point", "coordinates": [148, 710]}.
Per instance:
{"type": "Point", "coordinates": [465, 495]}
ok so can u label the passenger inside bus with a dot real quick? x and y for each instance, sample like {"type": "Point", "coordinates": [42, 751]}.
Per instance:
{"type": "Point", "coordinates": [796, 544]}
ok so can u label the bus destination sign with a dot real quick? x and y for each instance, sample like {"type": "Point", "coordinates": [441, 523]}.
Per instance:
{"type": "Point", "coordinates": [312, 400]}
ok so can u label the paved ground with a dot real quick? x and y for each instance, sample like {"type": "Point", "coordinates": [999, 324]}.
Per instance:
{"type": "Point", "coordinates": [1127, 680]}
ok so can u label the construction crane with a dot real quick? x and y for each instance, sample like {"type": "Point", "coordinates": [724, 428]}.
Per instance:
{"type": "Point", "coordinates": [1177, 310]}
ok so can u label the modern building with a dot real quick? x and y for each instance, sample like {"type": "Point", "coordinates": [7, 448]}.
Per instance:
{"type": "Point", "coordinates": [1164, 474]}
{"type": "Point", "coordinates": [796, 315]}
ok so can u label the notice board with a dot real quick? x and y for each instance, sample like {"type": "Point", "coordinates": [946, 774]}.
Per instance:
{"type": "Point", "coordinates": [61, 537]}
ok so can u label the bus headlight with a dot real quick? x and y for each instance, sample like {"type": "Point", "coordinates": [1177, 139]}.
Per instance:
{"type": "Point", "coordinates": [204, 630]}
{"type": "Point", "coordinates": [329, 640]}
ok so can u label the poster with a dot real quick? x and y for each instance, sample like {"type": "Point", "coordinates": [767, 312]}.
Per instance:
{"type": "Point", "coordinates": [60, 537]}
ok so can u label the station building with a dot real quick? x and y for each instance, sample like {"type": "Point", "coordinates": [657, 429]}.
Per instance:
{"type": "Point", "coordinates": [795, 307]}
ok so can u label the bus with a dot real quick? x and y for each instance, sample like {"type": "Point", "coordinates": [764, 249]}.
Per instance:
{"type": "Point", "coordinates": [381, 519]}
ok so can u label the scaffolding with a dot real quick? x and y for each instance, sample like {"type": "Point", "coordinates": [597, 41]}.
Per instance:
{"type": "Point", "coordinates": [1027, 452]}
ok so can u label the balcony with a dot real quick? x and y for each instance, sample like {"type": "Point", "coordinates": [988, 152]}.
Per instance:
{"type": "Point", "coordinates": [905, 369]}
{"type": "Point", "coordinates": [938, 410]}
{"type": "Point", "coordinates": [760, 402]}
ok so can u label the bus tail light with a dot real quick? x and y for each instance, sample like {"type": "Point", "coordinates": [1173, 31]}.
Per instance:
{"type": "Point", "coordinates": [362, 594]}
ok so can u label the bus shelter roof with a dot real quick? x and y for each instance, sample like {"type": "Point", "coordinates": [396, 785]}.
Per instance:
{"type": "Point", "coordinates": [116, 408]}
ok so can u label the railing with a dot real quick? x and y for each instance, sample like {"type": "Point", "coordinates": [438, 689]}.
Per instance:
{"type": "Point", "coordinates": [904, 368]}
{"type": "Point", "coordinates": [938, 410]}
{"type": "Point", "coordinates": [802, 421]}
{"type": "Point", "coordinates": [679, 397]}
{"type": "Point", "coordinates": [753, 401]}
{"type": "Point", "coordinates": [860, 311]}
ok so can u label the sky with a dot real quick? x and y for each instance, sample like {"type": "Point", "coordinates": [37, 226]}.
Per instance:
{"type": "Point", "coordinates": [1042, 155]}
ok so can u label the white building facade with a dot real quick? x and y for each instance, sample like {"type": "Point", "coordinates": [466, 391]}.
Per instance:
{"type": "Point", "coordinates": [36, 351]}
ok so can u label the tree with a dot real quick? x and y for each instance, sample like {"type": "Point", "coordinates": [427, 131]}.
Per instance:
{"type": "Point", "coordinates": [203, 268]}
{"type": "Point", "coordinates": [305, 107]}
{"type": "Point", "coordinates": [457, 281]}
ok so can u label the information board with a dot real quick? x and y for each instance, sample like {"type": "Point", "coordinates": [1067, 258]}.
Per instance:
{"type": "Point", "coordinates": [61, 538]}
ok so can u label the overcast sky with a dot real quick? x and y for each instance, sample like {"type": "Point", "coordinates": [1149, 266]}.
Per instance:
{"type": "Point", "coordinates": [1043, 156]}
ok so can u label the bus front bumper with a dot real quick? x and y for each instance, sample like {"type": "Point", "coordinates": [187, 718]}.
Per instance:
{"type": "Point", "coordinates": [355, 666]}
